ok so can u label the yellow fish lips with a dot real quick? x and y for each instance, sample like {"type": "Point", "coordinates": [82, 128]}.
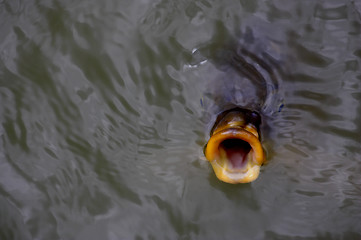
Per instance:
{"type": "Point", "coordinates": [235, 154]}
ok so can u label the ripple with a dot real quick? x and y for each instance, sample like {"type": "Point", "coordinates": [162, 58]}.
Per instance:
{"type": "Point", "coordinates": [320, 97]}
{"type": "Point", "coordinates": [310, 194]}
{"type": "Point", "coordinates": [315, 111]}
{"type": "Point", "coordinates": [312, 58]}
{"type": "Point", "coordinates": [331, 13]}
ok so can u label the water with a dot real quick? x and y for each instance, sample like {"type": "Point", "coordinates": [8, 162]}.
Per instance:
{"type": "Point", "coordinates": [102, 125]}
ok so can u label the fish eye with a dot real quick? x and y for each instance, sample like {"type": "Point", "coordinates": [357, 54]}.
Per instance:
{"type": "Point", "coordinates": [255, 117]}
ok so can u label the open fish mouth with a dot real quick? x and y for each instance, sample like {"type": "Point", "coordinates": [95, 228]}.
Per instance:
{"type": "Point", "coordinates": [235, 152]}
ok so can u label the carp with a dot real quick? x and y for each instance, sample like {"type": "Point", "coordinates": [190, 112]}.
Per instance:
{"type": "Point", "coordinates": [241, 91]}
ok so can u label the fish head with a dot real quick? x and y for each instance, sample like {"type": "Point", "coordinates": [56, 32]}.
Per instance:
{"type": "Point", "coordinates": [234, 148]}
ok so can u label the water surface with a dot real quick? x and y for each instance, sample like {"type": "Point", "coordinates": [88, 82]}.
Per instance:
{"type": "Point", "coordinates": [102, 122]}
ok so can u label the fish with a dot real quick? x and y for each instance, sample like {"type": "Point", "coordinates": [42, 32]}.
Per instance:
{"type": "Point", "coordinates": [242, 91]}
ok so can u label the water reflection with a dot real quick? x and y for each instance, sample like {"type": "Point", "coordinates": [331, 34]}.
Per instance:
{"type": "Point", "coordinates": [102, 125]}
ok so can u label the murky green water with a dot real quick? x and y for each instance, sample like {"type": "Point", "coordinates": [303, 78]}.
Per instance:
{"type": "Point", "coordinates": [102, 126]}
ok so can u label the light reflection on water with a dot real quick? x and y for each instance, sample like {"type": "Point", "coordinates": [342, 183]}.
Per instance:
{"type": "Point", "coordinates": [102, 127]}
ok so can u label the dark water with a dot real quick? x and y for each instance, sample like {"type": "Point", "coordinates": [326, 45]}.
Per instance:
{"type": "Point", "coordinates": [102, 131]}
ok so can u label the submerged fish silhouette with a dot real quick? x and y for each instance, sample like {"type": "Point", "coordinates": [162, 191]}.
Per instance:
{"type": "Point", "coordinates": [245, 88]}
